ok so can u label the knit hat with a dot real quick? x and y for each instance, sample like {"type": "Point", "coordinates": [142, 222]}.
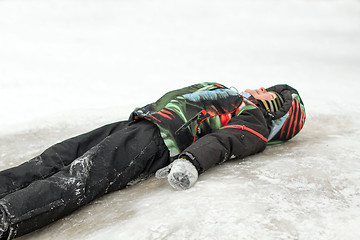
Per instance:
{"type": "Point", "coordinates": [285, 114]}
{"type": "Point", "coordinates": [272, 105]}
{"type": "Point", "coordinates": [290, 118]}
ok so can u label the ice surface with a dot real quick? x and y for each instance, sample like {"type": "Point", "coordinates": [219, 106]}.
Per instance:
{"type": "Point", "coordinates": [67, 67]}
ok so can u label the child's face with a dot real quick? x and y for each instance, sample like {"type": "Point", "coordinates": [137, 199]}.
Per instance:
{"type": "Point", "coordinates": [261, 94]}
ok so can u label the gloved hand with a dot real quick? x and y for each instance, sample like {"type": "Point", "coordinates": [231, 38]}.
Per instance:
{"type": "Point", "coordinates": [181, 174]}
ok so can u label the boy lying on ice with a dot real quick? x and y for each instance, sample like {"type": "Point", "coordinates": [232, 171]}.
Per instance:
{"type": "Point", "coordinates": [181, 135]}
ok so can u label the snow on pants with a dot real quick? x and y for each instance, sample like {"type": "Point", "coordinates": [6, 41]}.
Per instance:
{"type": "Point", "coordinates": [76, 171]}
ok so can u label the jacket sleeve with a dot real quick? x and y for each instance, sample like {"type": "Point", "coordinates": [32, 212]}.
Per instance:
{"type": "Point", "coordinates": [244, 135]}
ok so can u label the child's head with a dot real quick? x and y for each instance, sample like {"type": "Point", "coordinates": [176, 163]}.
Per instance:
{"type": "Point", "coordinates": [283, 108]}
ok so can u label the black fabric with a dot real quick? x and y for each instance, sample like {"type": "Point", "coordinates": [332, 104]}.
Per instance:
{"type": "Point", "coordinates": [53, 159]}
{"type": "Point", "coordinates": [3, 223]}
{"type": "Point", "coordinates": [229, 143]}
{"type": "Point", "coordinates": [73, 173]}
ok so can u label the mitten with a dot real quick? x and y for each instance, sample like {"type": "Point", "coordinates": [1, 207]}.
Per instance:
{"type": "Point", "coordinates": [181, 174]}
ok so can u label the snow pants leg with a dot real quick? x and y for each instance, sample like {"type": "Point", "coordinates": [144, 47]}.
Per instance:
{"type": "Point", "coordinates": [53, 159]}
{"type": "Point", "coordinates": [73, 173]}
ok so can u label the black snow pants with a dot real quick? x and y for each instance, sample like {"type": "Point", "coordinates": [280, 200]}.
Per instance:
{"type": "Point", "coordinates": [76, 171]}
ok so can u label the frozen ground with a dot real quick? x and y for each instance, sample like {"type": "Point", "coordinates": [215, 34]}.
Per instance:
{"type": "Point", "coordinates": [71, 65]}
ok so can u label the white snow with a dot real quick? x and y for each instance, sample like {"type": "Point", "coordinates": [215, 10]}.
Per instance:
{"type": "Point", "coordinates": [69, 66]}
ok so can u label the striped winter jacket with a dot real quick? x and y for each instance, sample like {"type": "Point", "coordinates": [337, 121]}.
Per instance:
{"type": "Point", "coordinates": [207, 123]}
